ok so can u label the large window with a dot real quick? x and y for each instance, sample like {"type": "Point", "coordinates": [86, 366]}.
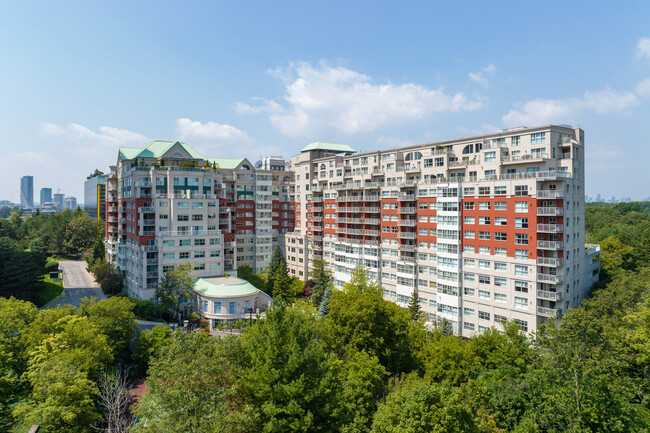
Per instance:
{"type": "Point", "coordinates": [521, 190]}
{"type": "Point", "coordinates": [521, 303]}
{"type": "Point", "coordinates": [232, 308]}
{"type": "Point", "coordinates": [538, 138]}
{"type": "Point", "coordinates": [521, 238]}
{"type": "Point", "coordinates": [521, 223]}
{"type": "Point", "coordinates": [217, 308]}
{"type": "Point", "coordinates": [521, 206]}
{"type": "Point", "coordinates": [483, 315]}
{"type": "Point", "coordinates": [490, 156]}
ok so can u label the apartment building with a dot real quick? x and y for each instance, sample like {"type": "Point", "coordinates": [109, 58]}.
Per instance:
{"type": "Point", "coordinates": [484, 229]}
{"type": "Point", "coordinates": [167, 204]}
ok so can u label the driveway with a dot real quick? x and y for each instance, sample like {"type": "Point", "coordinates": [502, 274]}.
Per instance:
{"type": "Point", "coordinates": [78, 283]}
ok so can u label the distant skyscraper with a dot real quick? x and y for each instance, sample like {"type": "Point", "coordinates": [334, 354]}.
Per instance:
{"type": "Point", "coordinates": [58, 200]}
{"type": "Point", "coordinates": [46, 196]}
{"type": "Point", "coordinates": [27, 191]}
{"type": "Point", "coordinates": [70, 203]}
{"type": "Point", "coordinates": [95, 196]}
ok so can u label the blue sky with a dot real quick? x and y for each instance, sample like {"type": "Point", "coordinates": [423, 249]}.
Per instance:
{"type": "Point", "coordinates": [257, 78]}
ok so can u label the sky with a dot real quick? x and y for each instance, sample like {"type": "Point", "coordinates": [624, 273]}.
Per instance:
{"type": "Point", "coordinates": [255, 78]}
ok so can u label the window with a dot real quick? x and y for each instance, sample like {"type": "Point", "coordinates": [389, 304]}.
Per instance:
{"type": "Point", "coordinates": [469, 248]}
{"type": "Point", "coordinates": [521, 190]}
{"type": "Point", "coordinates": [469, 326]}
{"type": "Point", "coordinates": [521, 238]}
{"type": "Point", "coordinates": [521, 270]}
{"type": "Point", "coordinates": [483, 294]}
{"type": "Point", "coordinates": [521, 303]}
{"type": "Point", "coordinates": [184, 242]}
{"type": "Point", "coordinates": [232, 307]}
{"type": "Point", "coordinates": [521, 223]}
{"type": "Point", "coordinates": [499, 190]}
{"type": "Point", "coordinates": [469, 220]}
{"type": "Point", "coordinates": [484, 264]}
{"type": "Point", "coordinates": [483, 190]}
{"type": "Point", "coordinates": [500, 267]}
{"type": "Point", "coordinates": [523, 325]}
{"type": "Point", "coordinates": [521, 286]}
{"type": "Point", "coordinates": [484, 250]}
{"type": "Point", "coordinates": [199, 254]}
{"type": "Point", "coordinates": [500, 221]}
{"type": "Point", "coordinates": [538, 138]}
{"type": "Point", "coordinates": [500, 205]}
{"type": "Point", "coordinates": [490, 157]}
{"type": "Point", "coordinates": [521, 254]}
{"type": "Point", "coordinates": [468, 234]}
{"type": "Point", "coordinates": [468, 291]}
{"type": "Point", "coordinates": [199, 242]}
{"type": "Point", "coordinates": [502, 252]}
{"type": "Point", "coordinates": [183, 218]}
{"type": "Point", "coordinates": [484, 279]}
{"type": "Point", "coordinates": [469, 263]}
{"type": "Point", "coordinates": [521, 206]}
{"type": "Point", "coordinates": [483, 315]}
{"type": "Point", "coordinates": [515, 141]}
{"type": "Point", "coordinates": [197, 205]}
{"type": "Point", "coordinates": [217, 308]}
{"type": "Point", "coordinates": [485, 236]}
{"type": "Point", "coordinates": [184, 255]}
{"type": "Point", "coordinates": [469, 205]}
{"type": "Point", "coordinates": [499, 236]}
{"type": "Point", "coordinates": [500, 298]}
{"type": "Point", "coordinates": [485, 221]}
{"type": "Point", "coordinates": [469, 312]}
{"type": "Point", "coordinates": [484, 205]}
{"type": "Point", "coordinates": [499, 282]}
{"type": "Point", "coordinates": [468, 190]}
{"type": "Point", "coordinates": [469, 276]}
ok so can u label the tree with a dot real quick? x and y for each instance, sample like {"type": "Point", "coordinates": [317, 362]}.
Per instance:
{"type": "Point", "coordinates": [277, 258]}
{"type": "Point", "coordinates": [21, 272]}
{"type": "Point", "coordinates": [177, 284]}
{"type": "Point", "coordinates": [80, 234]}
{"type": "Point", "coordinates": [360, 283]}
{"type": "Point", "coordinates": [192, 388]}
{"type": "Point", "coordinates": [95, 173]}
{"type": "Point", "coordinates": [414, 306]}
{"type": "Point", "coordinates": [321, 280]}
{"type": "Point", "coordinates": [114, 400]}
{"type": "Point", "coordinates": [284, 288]}
{"type": "Point", "coordinates": [114, 318]}
{"type": "Point", "coordinates": [149, 343]}
{"type": "Point", "coordinates": [99, 253]}
{"type": "Point", "coordinates": [109, 277]}
{"type": "Point", "coordinates": [417, 406]}
{"type": "Point", "coordinates": [246, 272]}
{"type": "Point", "coordinates": [324, 307]}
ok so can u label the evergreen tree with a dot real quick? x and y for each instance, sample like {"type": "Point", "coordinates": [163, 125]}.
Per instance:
{"type": "Point", "coordinates": [324, 308]}
{"type": "Point", "coordinates": [360, 283]}
{"type": "Point", "coordinates": [322, 280]}
{"type": "Point", "coordinates": [414, 306]}
{"type": "Point", "coordinates": [282, 287]}
{"type": "Point", "coordinates": [276, 262]}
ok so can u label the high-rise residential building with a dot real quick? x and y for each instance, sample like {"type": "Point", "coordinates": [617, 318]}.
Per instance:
{"type": "Point", "coordinates": [27, 192]}
{"type": "Point", "coordinates": [46, 196]}
{"type": "Point", "coordinates": [483, 229]}
{"type": "Point", "coordinates": [70, 203]}
{"type": "Point", "coordinates": [95, 197]}
{"type": "Point", "coordinates": [167, 204]}
{"type": "Point", "coordinates": [58, 199]}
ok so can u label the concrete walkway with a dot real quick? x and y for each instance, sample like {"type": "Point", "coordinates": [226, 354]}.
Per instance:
{"type": "Point", "coordinates": [78, 283]}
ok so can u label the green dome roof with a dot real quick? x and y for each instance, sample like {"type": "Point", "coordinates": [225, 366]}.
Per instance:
{"type": "Point", "coordinates": [224, 287]}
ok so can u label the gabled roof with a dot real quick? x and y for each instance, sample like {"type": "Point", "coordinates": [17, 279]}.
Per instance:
{"type": "Point", "coordinates": [331, 147]}
{"type": "Point", "coordinates": [156, 149]}
{"type": "Point", "coordinates": [227, 163]}
{"type": "Point", "coordinates": [224, 287]}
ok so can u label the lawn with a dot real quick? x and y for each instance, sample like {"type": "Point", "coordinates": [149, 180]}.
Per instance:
{"type": "Point", "coordinates": [50, 291]}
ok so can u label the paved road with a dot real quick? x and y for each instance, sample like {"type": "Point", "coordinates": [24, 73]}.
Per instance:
{"type": "Point", "coordinates": [77, 284]}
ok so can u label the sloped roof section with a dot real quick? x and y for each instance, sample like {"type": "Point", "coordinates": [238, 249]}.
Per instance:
{"type": "Point", "coordinates": [330, 147]}
{"type": "Point", "coordinates": [224, 287]}
{"type": "Point", "coordinates": [227, 163]}
{"type": "Point", "coordinates": [129, 152]}
{"type": "Point", "coordinates": [157, 149]}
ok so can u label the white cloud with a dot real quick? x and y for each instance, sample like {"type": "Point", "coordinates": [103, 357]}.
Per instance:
{"type": "Point", "coordinates": [643, 48]}
{"type": "Point", "coordinates": [325, 98]}
{"type": "Point", "coordinates": [483, 76]}
{"type": "Point", "coordinates": [51, 129]}
{"type": "Point", "coordinates": [643, 88]}
{"type": "Point", "coordinates": [543, 111]}
{"type": "Point", "coordinates": [209, 131]}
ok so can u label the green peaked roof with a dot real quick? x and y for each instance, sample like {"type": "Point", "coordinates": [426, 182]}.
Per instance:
{"type": "Point", "coordinates": [331, 147]}
{"type": "Point", "coordinates": [156, 149]}
{"type": "Point", "coordinates": [224, 287]}
{"type": "Point", "coordinates": [227, 163]}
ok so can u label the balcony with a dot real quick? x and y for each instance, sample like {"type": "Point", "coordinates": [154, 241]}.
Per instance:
{"type": "Point", "coordinates": [317, 208]}
{"type": "Point", "coordinates": [317, 199]}
{"type": "Point", "coordinates": [149, 248]}
{"type": "Point", "coordinates": [548, 295]}
{"type": "Point", "coordinates": [371, 221]}
{"type": "Point", "coordinates": [112, 219]}
{"type": "Point", "coordinates": [550, 228]}
{"type": "Point", "coordinates": [351, 231]}
{"type": "Point", "coordinates": [371, 209]}
{"type": "Point", "coordinates": [112, 209]}
{"type": "Point", "coordinates": [549, 194]}
{"type": "Point", "coordinates": [406, 197]}
{"type": "Point", "coordinates": [549, 261]}
{"type": "Point", "coordinates": [317, 238]}
{"type": "Point", "coordinates": [406, 235]}
{"type": "Point", "coordinates": [147, 209]}
{"type": "Point", "coordinates": [550, 211]}
{"type": "Point", "coordinates": [549, 278]}
{"type": "Point", "coordinates": [317, 219]}
{"type": "Point", "coordinates": [550, 245]}
{"type": "Point", "coordinates": [547, 312]}
{"type": "Point", "coordinates": [350, 220]}
{"type": "Point", "coordinates": [407, 223]}
{"type": "Point", "coordinates": [354, 198]}
{"type": "Point", "coordinates": [410, 259]}
{"type": "Point", "coordinates": [373, 197]}
{"type": "Point", "coordinates": [112, 229]}
{"type": "Point", "coordinates": [405, 247]}
{"type": "Point", "coordinates": [371, 232]}
{"type": "Point", "coordinates": [148, 222]}
{"type": "Point", "coordinates": [524, 158]}
{"type": "Point", "coordinates": [408, 210]}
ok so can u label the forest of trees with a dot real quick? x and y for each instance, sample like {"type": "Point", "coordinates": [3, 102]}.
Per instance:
{"type": "Point", "coordinates": [347, 361]}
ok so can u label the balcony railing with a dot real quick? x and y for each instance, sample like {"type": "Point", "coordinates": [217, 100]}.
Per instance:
{"type": "Point", "coordinates": [407, 210]}
{"type": "Point", "coordinates": [550, 211]}
{"type": "Point", "coordinates": [547, 312]}
{"type": "Point", "coordinates": [549, 278]}
{"type": "Point", "coordinates": [549, 245]}
{"type": "Point", "coordinates": [406, 235]}
{"type": "Point", "coordinates": [147, 209]}
{"type": "Point", "coordinates": [406, 197]}
{"type": "Point", "coordinates": [549, 261]}
{"type": "Point", "coordinates": [549, 194]}
{"type": "Point", "coordinates": [373, 197]}
{"type": "Point", "coordinates": [550, 228]}
{"type": "Point", "coordinates": [407, 223]}
{"type": "Point", "coordinates": [404, 247]}
{"type": "Point", "coordinates": [551, 296]}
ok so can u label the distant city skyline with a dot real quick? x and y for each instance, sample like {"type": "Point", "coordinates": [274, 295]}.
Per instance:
{"type": "Point", "coordinates": [82, 81]}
